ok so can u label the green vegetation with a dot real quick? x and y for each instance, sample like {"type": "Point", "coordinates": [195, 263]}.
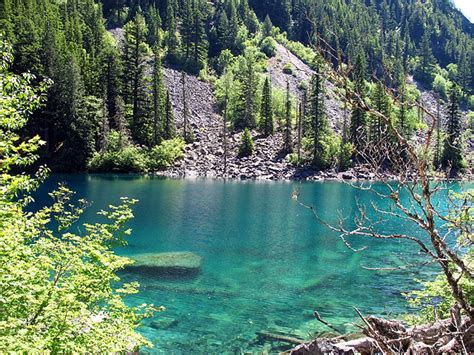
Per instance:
{"type": "Point", "coordinates": [288, 68]}
{"type": "Point", "coordinates": [163, 156]}
{"type": "Point", "coordinates": [434, 300]}
{"type": "Point", "coordinates": [59, 290]}
{"type": "Point", "coordinates": [266, 112]}
{"type": "Point", "coordinates": [104, 84]}
{"type": "Point", "coordinates": [246, 147]}
{"type": "Point", "coordinates": [121, 155]}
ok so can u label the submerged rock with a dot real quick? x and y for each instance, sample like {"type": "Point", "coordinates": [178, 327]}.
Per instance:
{"type": "Point", "coordinates": [163, 323]}
{"type": "Point", "coordinates": [170, 264]}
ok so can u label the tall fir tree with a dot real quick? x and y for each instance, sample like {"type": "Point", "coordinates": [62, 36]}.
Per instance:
{"type": "Point", "coordinates": [246, 92]}
{"type": "Point", "coordinates": [135, 85]}
{"type": "Point", "coordinates": [266, 110]}
{"type": "Point", "coordinates": [173, 40]}
{"type": "Point", "coordinates": [378, 129]}
{"type": "Point", "coordinates": [169, 128]}
{"type": "Point", "coordinates": [317, 118]}
{"type": "Point", "coordinates": [288, 146]}
{"type": "Point", "coordinates": [158, 89]}
{"type": "Point", "coordinates": [358, 118]}
{"type": "Point", "coordinates": [452, 153]}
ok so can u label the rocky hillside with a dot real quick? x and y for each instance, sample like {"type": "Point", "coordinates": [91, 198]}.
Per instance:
{"type": "Point", "coordinates": [205, 157]}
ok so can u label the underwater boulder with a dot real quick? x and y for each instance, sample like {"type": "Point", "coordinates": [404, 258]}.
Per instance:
{"type": "Point", "coordinates": [170, 264]}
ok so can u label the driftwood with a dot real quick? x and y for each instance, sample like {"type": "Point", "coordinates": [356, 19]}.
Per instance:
{"type": "Point", "coordinates": [280, 337]}
{"type": "Point", "coordinates": [453, 335]}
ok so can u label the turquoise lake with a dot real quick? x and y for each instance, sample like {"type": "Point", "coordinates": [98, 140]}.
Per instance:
{"type": "Point", "coordinates": [267, 264]}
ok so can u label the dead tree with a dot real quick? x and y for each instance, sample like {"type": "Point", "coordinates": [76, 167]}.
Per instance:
{"type": "Point", "coordinates": [402, 173]}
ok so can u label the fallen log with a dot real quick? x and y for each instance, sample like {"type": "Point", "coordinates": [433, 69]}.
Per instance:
{"type": "Point", "coordinates": [280, 337]}
{"type": "Point", "coordinates": [453, 335]}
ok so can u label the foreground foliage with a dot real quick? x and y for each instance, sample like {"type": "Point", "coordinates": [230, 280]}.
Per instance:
{"type": "Point", "coordinates": [57, 283]}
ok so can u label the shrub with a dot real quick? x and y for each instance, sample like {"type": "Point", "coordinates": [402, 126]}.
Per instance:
{"type": "Point", "coordinates": [439, 86]}
{"type": "Point", "coordinates": [246, 147]}
{"type": "Point", "coordinates": [120, 156]}
{"type": "Point", "coordinates": [268, 46]}
{"type": "Point", "coordinates": [345, 156]}
{"type": "Point", "coordinates": [288, 68]}
{"type": "Point", "coordinates": [164, 155]}
{"type": "Point", "coordinates": [470, 102]}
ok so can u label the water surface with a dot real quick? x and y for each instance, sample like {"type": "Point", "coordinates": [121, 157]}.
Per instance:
{"type": "Point", "coordinates": [267, 263]}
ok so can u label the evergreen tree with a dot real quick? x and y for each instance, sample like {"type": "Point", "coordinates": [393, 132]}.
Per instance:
{"type": "Point", "coordinates": [246, 147]}
{"type": "Point", "coordinates": [135, 85]}
{"type": "Point", "coordinates": [172, 42]}
{"type": "Point", "coordinates": [358, 118]}
{"type": "Point", "coordinates": [317, 118]}
{"type": "Point", "coordinates": [158, 88]}
{"type": "Point", "coordinates": [402, 113]}
{"type": "Point", "coordinates": [233, 24]}
{"type": "Point", "coordinates": [247, 85]}
{"type": "Point", "coordinates": [465, 72]}
{"type": "Point", "coordinates": [187, 133]}
{"type": "Point", "coordinates": [111, 77]}
{"type": "Point", "coordinates": [452, 154]}
{"type": "Point", "coordinates": [153, 21]}
{"type": "Point", "coordinates": [223, 32]}
{"type": "Point", "coordinates": [266, 112]}
{"type": "Point", "coordinates": [287, 142]}
{"type": "Point", "coordinates": [267, 27]}
{"type": "Point", "coordinates": [187, 27]}
{"type": "Point", "coordinates": [199, 36]}
{"type": "Point", "coordinates": [378, 128]}
{"type": "Point", "coordinates": [168, 127]}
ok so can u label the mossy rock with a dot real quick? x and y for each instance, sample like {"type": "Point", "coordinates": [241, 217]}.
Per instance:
{"type": "Point", "coordinates": [163, 323]}
{"type": "Point", "coordinates": [172, 264]}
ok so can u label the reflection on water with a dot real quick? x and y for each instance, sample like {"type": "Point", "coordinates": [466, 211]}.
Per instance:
{"type": "Point", "coordinates": [266, 263]}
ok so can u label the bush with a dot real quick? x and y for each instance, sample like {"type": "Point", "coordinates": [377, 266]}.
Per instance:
{"type": "Point", "coordinates": [164, 155]}
{"type": "Point", "coordinates": [345, 156]}
{"type": "Point", "coordinates": [288, 68]}
{"type": "Point", "coordinates": [470, 102]}
{"type": "Point", "coordinates": [440, 86]}
{"type": "Point", "coordinates": [246, 147]}
{"type": "Point", "coordinates": [120, 156]}
{"type": "Point", "coordinates": [268, 47]}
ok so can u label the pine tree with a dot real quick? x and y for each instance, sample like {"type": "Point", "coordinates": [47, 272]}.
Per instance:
{"type": "Point", "coordinates": [136, 91]}
{"type": "Point", "coordinates": [172, 42]}
{"type": "Point", "coordinates": [266, 112]}
{"type": "Point", "coordinates": [246, 147]}
{"type": "Point", "coordinates": [187, 133]}
{"type": "Point", "coordinates": [287, 142]}
{"type": "Point", "coordinates": [245, 105]}
{"type": "Point", "coordinates": [223, 31]}
{"type": "Point", "coordinates": [233, 24]}
{"type": "Point", "coordinates": [358, 118]}
{"type": "Point", "coordinates": [452, 153]}
{"type": "Point", "coordinates": [402, 113]}
{"type": "Point", "coordinates": [158, 88]}
{"type": "Point", "coordinates": [153, 21]}
{"type": "Point", "coordinates": [378, 128]}
{"type": "Point", "coordinates": [199, 37]}
{"type": "Point", "coordinates": [168, 127]}
{"type": "Point", "coordinates": [317, 117]}
{"type": "Point", "coordinates": [111, 77]}
{"type": "Point", "coordinates": [186, 27]}
{"type": "Point", "coordinates": [464, 72]}
{"type": "Point", "coordinates": [267, 27]}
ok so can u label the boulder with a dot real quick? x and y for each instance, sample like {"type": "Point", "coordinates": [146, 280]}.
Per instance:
{"type": "Point", "coordinates": [169, 264]}
{"type": "Point", "coordinates": [163, 323]}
